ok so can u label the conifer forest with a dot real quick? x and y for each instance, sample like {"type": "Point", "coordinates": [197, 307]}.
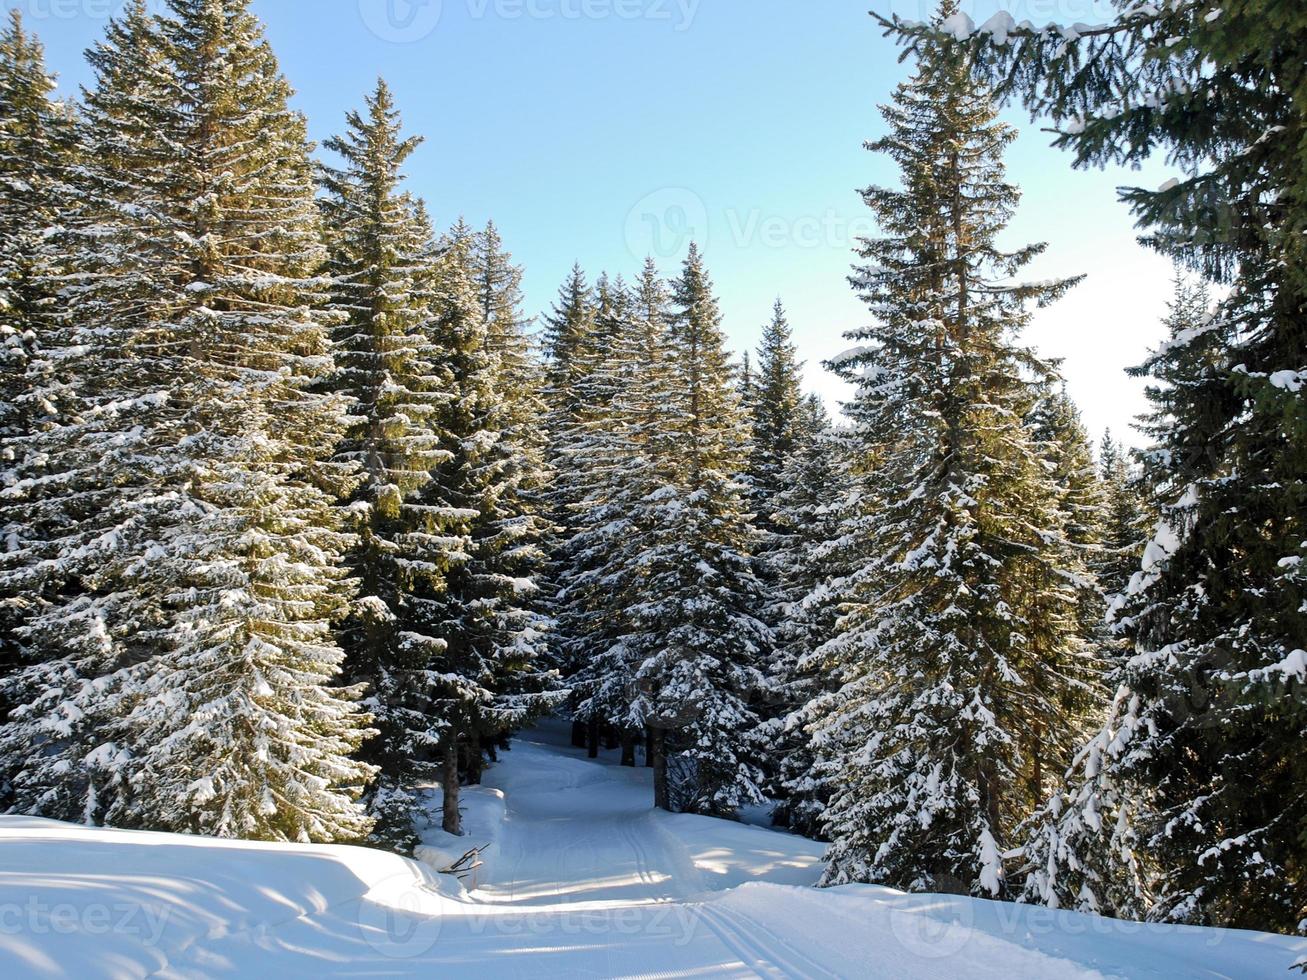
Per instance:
{"type": "Point", "coordinates": [310, 525]}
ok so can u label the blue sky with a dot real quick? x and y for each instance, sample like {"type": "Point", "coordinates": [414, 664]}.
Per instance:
{"type": "Point", "coordinates": [599, 130]}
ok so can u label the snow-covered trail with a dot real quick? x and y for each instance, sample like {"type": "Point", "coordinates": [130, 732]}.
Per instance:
{"type": "Point", "coordinates": [583, 879]}
{"type": "Point", "coordinates": [581, 832]}
{"type": "Point", "coordinates": [582, 853]}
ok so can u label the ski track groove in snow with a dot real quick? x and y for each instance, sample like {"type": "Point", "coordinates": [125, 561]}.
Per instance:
{"type": "Point", "coordinates": [746, 938]}
{"type": "Point", "coordinates": [641, 857]}
{"type": "Point", "coordinates": [803, 965]}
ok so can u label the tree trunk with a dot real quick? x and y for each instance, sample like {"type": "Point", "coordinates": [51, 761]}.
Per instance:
{"type": "Point", "coordinates": [474, 761]}
{"type": "Point", "coordinates": [578, 734]}
{"type": "Point", "coordinates": [592, 734]}
{"type": "Point", "coordinates": [662, 798]}
{"type": "Point", "coordinates": [452, 821]}
{"type": "Point", "coordinates": [649, 747]}
{"type": "Point", "coordinates": [612, 738]}
{"type": "Point", "coordinates": [628, 749]}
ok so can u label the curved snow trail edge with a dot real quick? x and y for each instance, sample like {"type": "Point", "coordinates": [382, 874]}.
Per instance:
{"type": "Point", "coordinates": [583, 879]}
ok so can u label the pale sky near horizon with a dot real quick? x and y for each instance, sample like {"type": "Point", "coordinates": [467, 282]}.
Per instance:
{"type": "Point", "coordinates": [600, 131]}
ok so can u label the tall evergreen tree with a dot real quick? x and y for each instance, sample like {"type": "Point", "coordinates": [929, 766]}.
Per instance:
{"type": "Point", "coordinates": [1216, 618]}
{"type": "Point", "coordinates": [698, 687]}
{"type": "Point", "coordinates": [490, 637]}
{"type": "Point", "coordinates": [388, 364]}
{"type": "Point", "coordinates": [776, 395]}
{"type": "Point", "coordinates": [1084, 848]}
{"type": "Point", "coordinates": [806, 560]}
{"type": "Point", "coordinates": [626, 447]}
{"type": "Point", "coordinates": [1125, 526]}
{"type": "Point", "coordinates": [1081, 501]}
{"type": "Point", "coordinates": [958, 648]}
{"type": "Point", "coordinates": [567, 331]}
{"type": "Point", "coordinates": [514, 534]}
{"type": "Point", "coordinates": [187, 680]}
{"type": "Point", "coordinates": [37, 145]}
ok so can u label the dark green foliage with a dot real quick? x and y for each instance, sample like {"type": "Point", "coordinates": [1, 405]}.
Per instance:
{"type": "Point", "coordinates": [1216, 617]}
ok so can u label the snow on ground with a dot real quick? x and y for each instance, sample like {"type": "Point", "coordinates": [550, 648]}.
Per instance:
{"type": "Point", "coordinates": [582, 879]}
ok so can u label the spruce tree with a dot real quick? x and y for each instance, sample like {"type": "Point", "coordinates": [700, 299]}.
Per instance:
{"type": "Point", "coordinates": [806, 560]}
{"type": "Point", "coordinates": [593, 452]}
{"type": "Point", "coordinates": [37, 147]}
{"type": "Point", "coordinates": [387, 363]}
{"type": "Point", "coordinates": [698, 687]}
{"type": "Point", "coordinates": [1215, 618]}
{"type": "Point", "coordinates": [566, 329]}
{"type": "Point", "coordinates": [57, 486]}
{"type": "Point", "coordinates": [1081, 501]}
{"type": "Point", "coordinates": [628, 450]}
{"type": "Point", "coordinates": [488, 679]}
{"type": "Point", "coordinates": [958, 649]}
{"type": "Point", "coordinates": [514, 533]}
{"type": "Point", "coordinates": [776, 393]}
{"type": "Point", "coordinates": [772, 399]}
{"type": "Point", "coordinates": [1125, 526]}
{"type": "Point", "coordinates": [187, 681]}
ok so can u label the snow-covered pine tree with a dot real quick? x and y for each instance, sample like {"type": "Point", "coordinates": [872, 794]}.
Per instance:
{"type": "Point", "coordinates": [188, 682]}
{"type": "Point", "coordinates": [566, 328]}
{"type": "Point", "coordinates": [593, 451]}
{"type": "Point", "coordinates": [772, 398]}
{"type": "Point", "coordinates": [1125, 529]}
{"type": "Point", "coordinates": [381, 257]}
{"type": "Point", "coordinates": [1088, 847]}
{"type": "Point", "coordinates": [1216, 618]}
{"type": "Point", "coordinates": [488, 679]}
{"type": "Point", "coordinates": [706, 599]}
{"type": "Point", "coordinates": [776, 391]}
{"type": "Point", "coordinates": [58, 476]}
{"type": "Point", "coordinates": [628, 451]}
{"type": "Point", "coordinates": [1057, 429]}
{"type": "Point", "coordinates": [959, 647]}
{"type": "Point", "coordinates": [586, 446]}
{"type": "Point", "coordinates": [805, 564]}
{"type": "Point", "coordinates": [37, 144]}
{"type": "Point", "coordinates": [512, 539]}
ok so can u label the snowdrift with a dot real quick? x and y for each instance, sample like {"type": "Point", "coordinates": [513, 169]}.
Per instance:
{"type": "Point", "coordinates": [582, 879]}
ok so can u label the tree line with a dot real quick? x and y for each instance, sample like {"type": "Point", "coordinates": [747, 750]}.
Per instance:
{"type": "Point", "coordinates": [300, 515]}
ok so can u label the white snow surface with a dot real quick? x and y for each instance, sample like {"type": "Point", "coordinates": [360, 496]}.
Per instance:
{"type": "Point", "coordinates": [582, 879]}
